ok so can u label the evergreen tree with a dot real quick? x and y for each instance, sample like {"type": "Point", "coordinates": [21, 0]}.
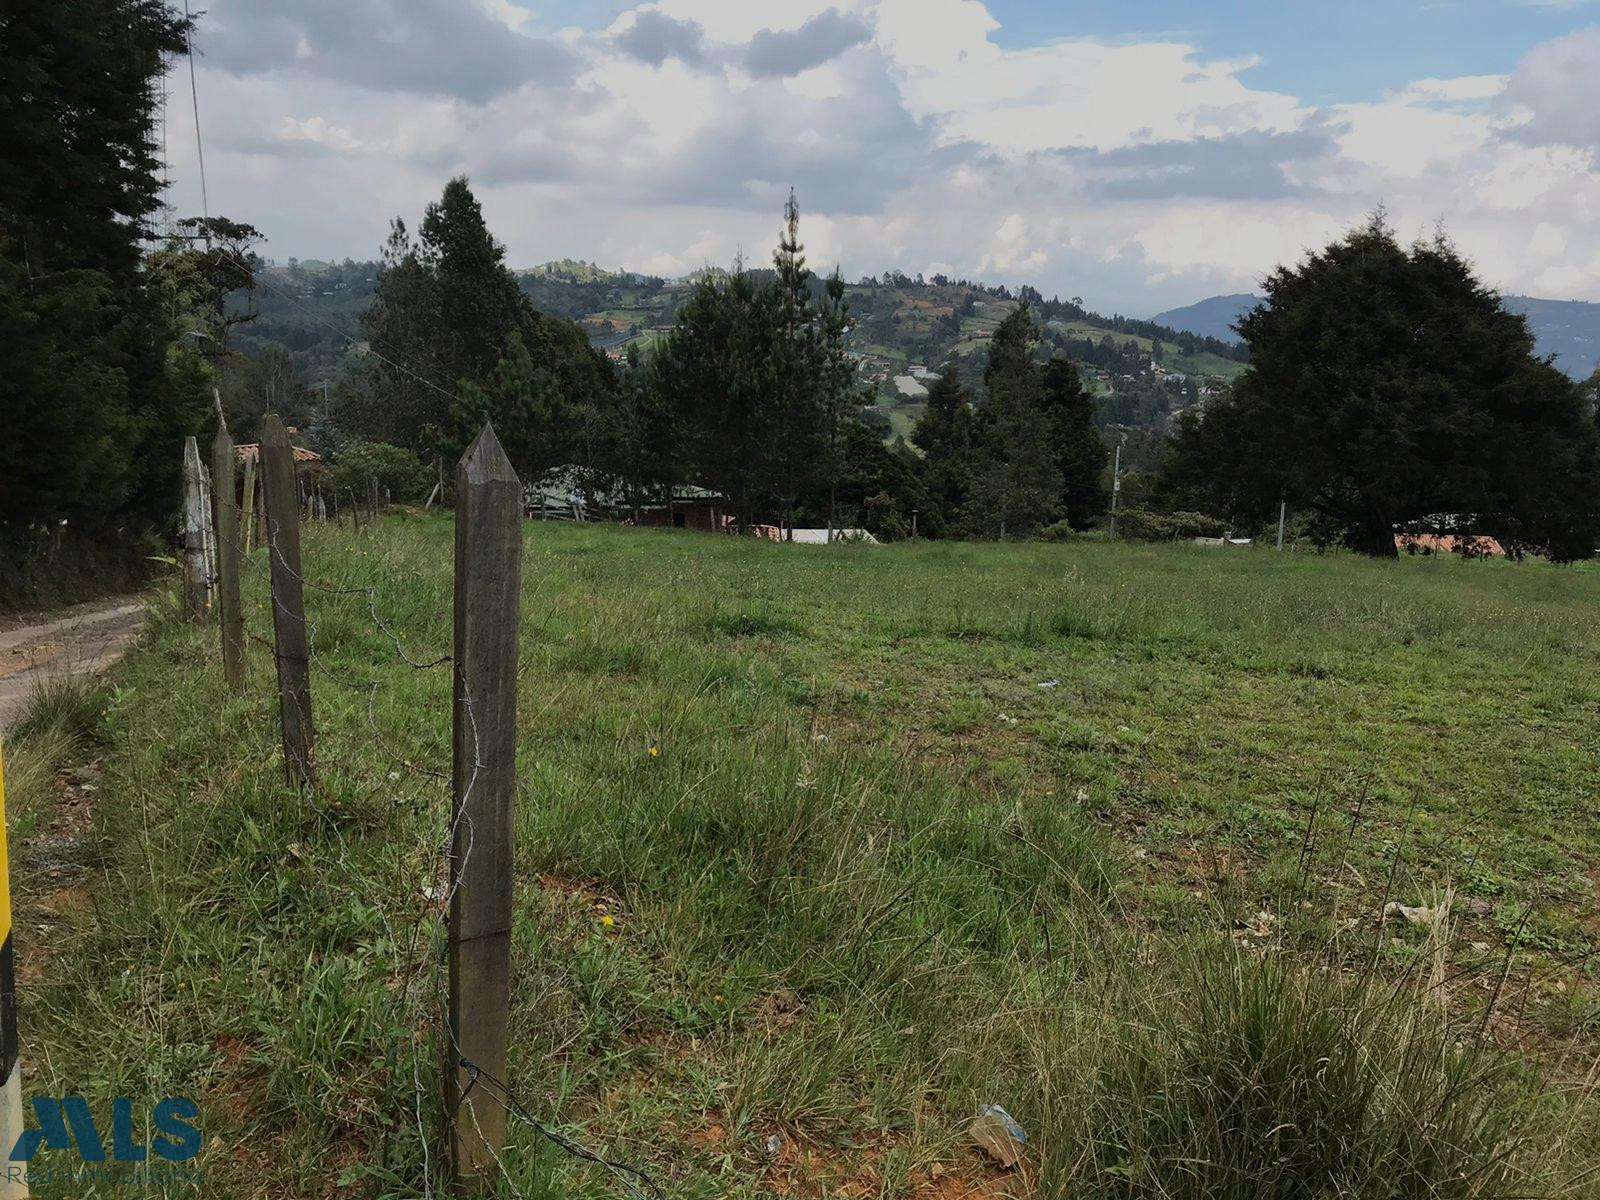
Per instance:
{"type": "Point", "coordinates": [1017, 486]}
{"type": "Point", "coordinates": [798, 410]}
{"type": "Point", "coordinates": [717, 372]}
{"type": "Point", "coordinates": [97, 390]}
{"type": "Point", "coordinates": [946, 435]}
{"type": "Point", "coordinates": [534, 418]}
{"type": "Point", "coordinates": [1075, 446]}
{"type": "Point", "coordinates": [477, 301]}
{"type": "Point", "coordinates": [1388, 385]}
{"type": "Point", "coordinates": [644, 458]}
{"type": "Point", "coordinates": [838, 387]}
{"type": "Point", "coordinates": [446, 311]}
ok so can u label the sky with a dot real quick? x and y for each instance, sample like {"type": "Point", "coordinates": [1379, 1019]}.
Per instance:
{"type": "Point", "coordinates": [1139, 155]}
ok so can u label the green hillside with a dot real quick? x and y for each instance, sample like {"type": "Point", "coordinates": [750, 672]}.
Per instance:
{"type": "Point", "coordinates": [1142, 373]}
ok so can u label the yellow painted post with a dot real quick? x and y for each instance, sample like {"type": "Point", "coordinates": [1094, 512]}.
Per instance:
{"type": "Point", "coordinates": [11, 1185]}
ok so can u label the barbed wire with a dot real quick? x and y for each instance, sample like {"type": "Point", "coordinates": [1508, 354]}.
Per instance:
{"type": "Point", "coordinates": [421, 953]}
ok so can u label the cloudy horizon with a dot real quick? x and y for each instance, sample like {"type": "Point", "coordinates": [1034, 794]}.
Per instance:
{"type": "Point", "coordinates": [1008, 142]}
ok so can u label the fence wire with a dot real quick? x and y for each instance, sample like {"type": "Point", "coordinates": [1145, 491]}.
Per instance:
{"type": "Point", "coordinates": [421, 948]}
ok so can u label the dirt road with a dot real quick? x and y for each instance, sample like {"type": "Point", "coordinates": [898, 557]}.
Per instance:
{"type": "Point", "coordinates": [83, 639]}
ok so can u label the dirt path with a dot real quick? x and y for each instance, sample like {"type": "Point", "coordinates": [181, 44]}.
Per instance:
{"type": "Point", "coordinates": [83, 639]}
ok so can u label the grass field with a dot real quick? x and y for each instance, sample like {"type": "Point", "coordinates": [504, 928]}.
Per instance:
{"type": "Point", "coordinates": [822, 849]}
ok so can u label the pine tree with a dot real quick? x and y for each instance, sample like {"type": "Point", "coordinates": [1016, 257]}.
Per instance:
{"type": "Point", "coordinates": [1017, 486]}
{"type": "Point", "coordinates": [445, 313]}
{"type": "Point", "coordinates": [533, 417]}
{"type": "Point", "coordinates": [717, 374]}
{"type": "Point", "coordinates": [838, 382]}
{"type": "Point", "coordinates": [97, 388]}
{"type": "Point", "coordinates": [1075, 446]}
{"type": "Point", "coordinates": [946, 435]}
{"type": "Point", "coordinates": [799, 412]}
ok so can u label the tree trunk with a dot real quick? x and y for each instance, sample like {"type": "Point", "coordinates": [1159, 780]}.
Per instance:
{"type": "Point", "coordinates": [1374, 537]}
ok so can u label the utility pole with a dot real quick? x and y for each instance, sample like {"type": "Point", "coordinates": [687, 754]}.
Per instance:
{"type": "Point", "coordinates": [1116, 484]}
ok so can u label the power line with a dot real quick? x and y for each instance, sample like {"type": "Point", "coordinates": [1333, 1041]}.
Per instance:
{"type": "Point", "coordinates": [199, 144]}
{"type": "Point", "coordinates": [349, 338]}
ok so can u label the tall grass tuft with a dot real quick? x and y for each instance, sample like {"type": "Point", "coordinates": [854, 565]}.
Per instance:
{"type": "Point", "coordinates": [1261, 1079]}
{"type": "Point", "coordinates": [63, 706]}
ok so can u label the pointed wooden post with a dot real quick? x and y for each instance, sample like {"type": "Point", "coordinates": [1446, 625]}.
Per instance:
{"type": "Point", "coordinates": [226, 507]}
{"type": "Point", "coordinates": [281, 530]}
{"type": "Point", "coordinates": [247, 510]}
{"type": "Point", "coordinates": [196, 574]}
{"type": "Point", "coordinates": [488, 588]}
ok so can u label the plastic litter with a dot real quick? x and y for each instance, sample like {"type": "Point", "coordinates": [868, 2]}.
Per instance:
{"type": "Point", "coordinates": [997, 1134]}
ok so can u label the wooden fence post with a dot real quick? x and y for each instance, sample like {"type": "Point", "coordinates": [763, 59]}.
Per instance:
{"type": "Point", "coordinates": [226, 505]}
{"type": "Point", "coordinates": [196, 573]}
{"type": "Point", "coordinates": [247, 509]}
{"type": "Point", "coordinates": [488, 587]}
{"type": "Point", "coordinates": [281, 528]}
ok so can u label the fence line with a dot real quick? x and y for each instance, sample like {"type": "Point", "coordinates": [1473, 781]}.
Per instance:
{"type": "Point", "coordinates": [288, 601]}
{"type": "Point", "coordinates": [446, 988]}
{"type": "Point", "coordinates": [230, 612]}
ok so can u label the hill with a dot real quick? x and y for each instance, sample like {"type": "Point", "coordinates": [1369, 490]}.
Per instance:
{"type": "Point", "coordinates": [1567, 329]}
{"type": "Point", "coordinates": [1212, 317]}
{"type": "Point", "coordinates": [1142, 371]}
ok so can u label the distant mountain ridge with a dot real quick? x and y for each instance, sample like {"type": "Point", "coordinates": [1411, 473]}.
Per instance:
{"type": "Point", "coordinates": [1212, 317]}
{"type": "Point", "coordinates": [1568, 329]}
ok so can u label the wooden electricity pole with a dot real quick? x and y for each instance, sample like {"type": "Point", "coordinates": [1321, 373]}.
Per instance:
{"type": "Point", "coordinates": [226, 508]}
{"type": "Point", "coordinates": [488, 586]}
{"type": "Point", "coordinates": [282, 529]}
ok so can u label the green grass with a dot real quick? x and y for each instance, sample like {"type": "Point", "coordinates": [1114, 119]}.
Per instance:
{"type": "Point", "coordinates": [1100, 833]}
{"type": "Point", "coordinates": [903, 419]}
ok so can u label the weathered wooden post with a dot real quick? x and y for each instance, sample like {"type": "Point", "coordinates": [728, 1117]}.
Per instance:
{"type": "Point", "coordinates": [226, 506]}
{"type": "Point", "coordinates": [488, 587]}
{"type": "Point", "coordinates": [196, 574]}
{"type": "Point", "coordinates": [282, 535]}
{"type": "Point", "coordinates": [247, 509]}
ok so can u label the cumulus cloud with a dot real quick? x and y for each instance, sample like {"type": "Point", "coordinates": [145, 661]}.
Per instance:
{"type": "Point", "coordinates": [439, 47]}
{"type": "Point", "coordinates": [1554, 94]}
{"type": "Point", "coordinates": [1138, 174]}
{"type": "Point", "coordinates": [651, 36]}
{"type": "Point", "coordinates": [791, 51]}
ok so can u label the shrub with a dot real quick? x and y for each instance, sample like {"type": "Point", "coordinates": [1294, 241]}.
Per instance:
{"type": "Point", "coordinates": [396, 469]}
{"type": "Point", "coordinates": [1061, 531]}
{"type": "Point", "coordinates": [1145, 525]}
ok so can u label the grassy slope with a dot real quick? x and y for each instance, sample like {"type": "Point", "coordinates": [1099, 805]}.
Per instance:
{"type": "Point", "coordinates": [875, 875]}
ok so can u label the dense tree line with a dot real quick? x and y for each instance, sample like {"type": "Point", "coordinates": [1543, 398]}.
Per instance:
{"type": "Point", "coordinates": [1027, 455]}
{"type": "Point", "coordinates": [751, 395]}
{"type": "Point", "coordinates": [99, 383]}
